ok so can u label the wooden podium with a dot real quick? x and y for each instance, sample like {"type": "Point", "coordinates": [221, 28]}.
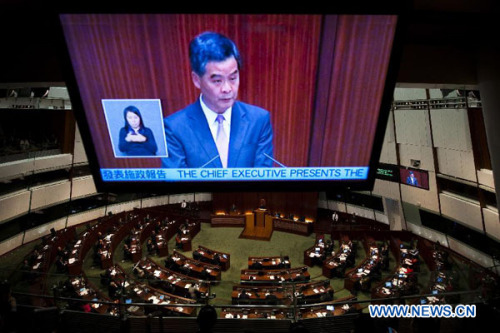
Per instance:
{"type": "Point", "coordinates": [260, 217]}
{"type": "Point", "coordinates": [258, 225]}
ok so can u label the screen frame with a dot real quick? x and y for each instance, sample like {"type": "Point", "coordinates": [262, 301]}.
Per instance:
{"type": "Point", "coordinates": [419, 171]}
{"type": "Point", "coordinates": [396, 9]}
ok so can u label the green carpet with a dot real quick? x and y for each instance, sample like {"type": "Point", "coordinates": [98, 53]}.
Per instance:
{"type": "Point", "coordinates": [219, 239]}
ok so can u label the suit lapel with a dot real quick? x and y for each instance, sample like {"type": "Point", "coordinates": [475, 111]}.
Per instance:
{"type": "Point", "coordinates": [199, 125]}
{"type": "Point", "coordinates": [239, 127]}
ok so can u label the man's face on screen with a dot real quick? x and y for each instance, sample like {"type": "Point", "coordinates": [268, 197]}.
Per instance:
{"type": "Point", "coordinates": [219, 85]}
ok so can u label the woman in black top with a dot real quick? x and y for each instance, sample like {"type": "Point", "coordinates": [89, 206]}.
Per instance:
{"type": "Point", "coordinates": [135, 138]}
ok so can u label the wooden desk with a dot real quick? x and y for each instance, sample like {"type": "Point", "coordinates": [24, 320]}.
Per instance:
{"type": "Point", "coordinates": [335, 265]}
{"type": "Point", "coordinates": [260, 295]}
{"type": "Point", "coordinates": [325, 310]}
{"type": "Point", "coordinates": [314, 292]}
{"type": "Point", "coordinates": [193, 268]}
{"type": "Point", "coordinates": [84, 289]}
{"type": "Point", "coordinates": [316, 254]}
{"type": "Point", "coordinates": [319, 291]}
{"type": "Point", "coordinates": [221, 259]}
{"type": "Point", "coordinates": [162, 244]}
{"type": "Point", "coordinates": [295, 227]}
{"type": "Point", "coordinates": [171, 281]}
{"type": "Point", "coordinates": [254, 313]}
{"type": "Point", "coordinates": [138, 235]}
{"type": "Point", "coordinates": [274, 262]}
{"type": "Point", "coordinates": [142, 293]}
{"type": "Point", "coordinates": [402, 281]}
{"type": "Point", "coordinates": [366, 269]}
{"type": "Point", "coordinates": [185, 241]}
{"type": "Point", "coordinates": [227, 220]}
{"type": "Point", "coordinates": [262, 277]}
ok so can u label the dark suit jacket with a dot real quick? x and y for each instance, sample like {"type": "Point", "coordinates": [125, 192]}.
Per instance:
{"type": "Point", "coordinates": [411, 181]}
{"type": "Point", "coordinates": [190, 143]}
{"type": "Point", "coordinates": [147, 148]}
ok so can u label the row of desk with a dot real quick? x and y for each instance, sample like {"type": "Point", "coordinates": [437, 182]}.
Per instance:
{"type": "Point", "coordinates": [283, 294]}
{"type": "Point", "coordinates": [441, 279]}
{"type": "Point", "coordinates": [136, 292]}
{"type": "Point", "coordinates": [116, 224]}
{"type": "Point", "coordinates": [185, 234]}
{"type": "Point", "coordinates": [296, 274]}
{"type": "Point", "coordinates": [85, 290]}
{"type": "Point", "coordinates": [273, 262]}
{"type": "Point", "coordinates": [193, 268]}
{"type": "Point", "coordinates": [279, 224]}
{"type": "Point", "coordinates": [170, 281]}
{"type": "Point", "coordinates": [326, 309]}
{"type": "Point", "coordinates": [402, 281]}
{"type": "Point", "coordinates": [360, 276]}
{"type": "Point", "coordinates": [221, 259]}
{"type": "Point", "coordinates": [344, 258]}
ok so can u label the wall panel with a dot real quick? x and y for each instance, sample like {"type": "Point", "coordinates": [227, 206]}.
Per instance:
{"type": "Point", "coordinates": [381, 217]}
{"type": "Point", "coordinates": [491, 223]}
{"type": "Point", "coordinates": [50, 194]}
{"type": "Point", "coordinates": [40, 231]}
{"type": "Point", "coordinates": [420, 197]}
{"type": "Point", "coordinates": [123, 207]}
{"type": "Point", "coordinates": [154, 201]}
{"type": "Point", "coordinates": [468, 213]}
{"type": "Point", "coordinates": [359, 211]}
{"type": "Point", "coordinates": [90, 215]}
{"type": "Point", "coordinates": [15, 169]}
{"type": "Point", "coordinates": [177, 198]}
{"type": "Point", "coordinates": [485, 177]}
{"type": "Point", "coordinates": [409, 94]}
{"type": "Point", "coordinates": [14, 204]}
{"type": "Point", "coordinates": [79, 154]}
{"type": "Point", "coordinates": [11, 243]}
{"type": "Point", "coordinates": [53, 162]}
{"type": "Point", "coordinates": [337, 206]}
{"type": "Point", "coordinates": [385, 188]}
{"type": "Point", "coordinates": [412, 127]}
{"type": "Point", "coordinates": [470, 253]}
{"type": "Point", "coordinates": [83, 186]}
{"type": "Point", "coordinates": [429, 234]}
{"type": "Point", "coordinates": [423, 154]}
{"type": "Point", "coordinates": [203, 197]}
{"type": "Point", "coordinates": [450, 129]}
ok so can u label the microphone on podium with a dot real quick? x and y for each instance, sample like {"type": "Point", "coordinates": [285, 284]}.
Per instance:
{"type": "Point", "coordinates": [204, 165]}
{"type": "Point", "coordinates": [272, 159]}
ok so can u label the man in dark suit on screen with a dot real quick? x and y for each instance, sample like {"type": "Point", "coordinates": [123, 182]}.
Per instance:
{"type": "Point", "coordinates": [217, 130]}
{"type": "Point", "coordinates": [411, 179]}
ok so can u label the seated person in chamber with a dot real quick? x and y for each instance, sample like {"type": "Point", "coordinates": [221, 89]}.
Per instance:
{"type": "Point", "coordinates": [217, 130]}
{"type": "Point", "coordinates": [135, 139]}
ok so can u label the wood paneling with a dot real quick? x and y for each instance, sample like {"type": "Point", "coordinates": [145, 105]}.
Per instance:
{"type": "Point", "coordinates": [297, 203]}
{"type": "Point", "coordinates": [321, 77]}
{"type": "Point", "coordinates": [140, 56]}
